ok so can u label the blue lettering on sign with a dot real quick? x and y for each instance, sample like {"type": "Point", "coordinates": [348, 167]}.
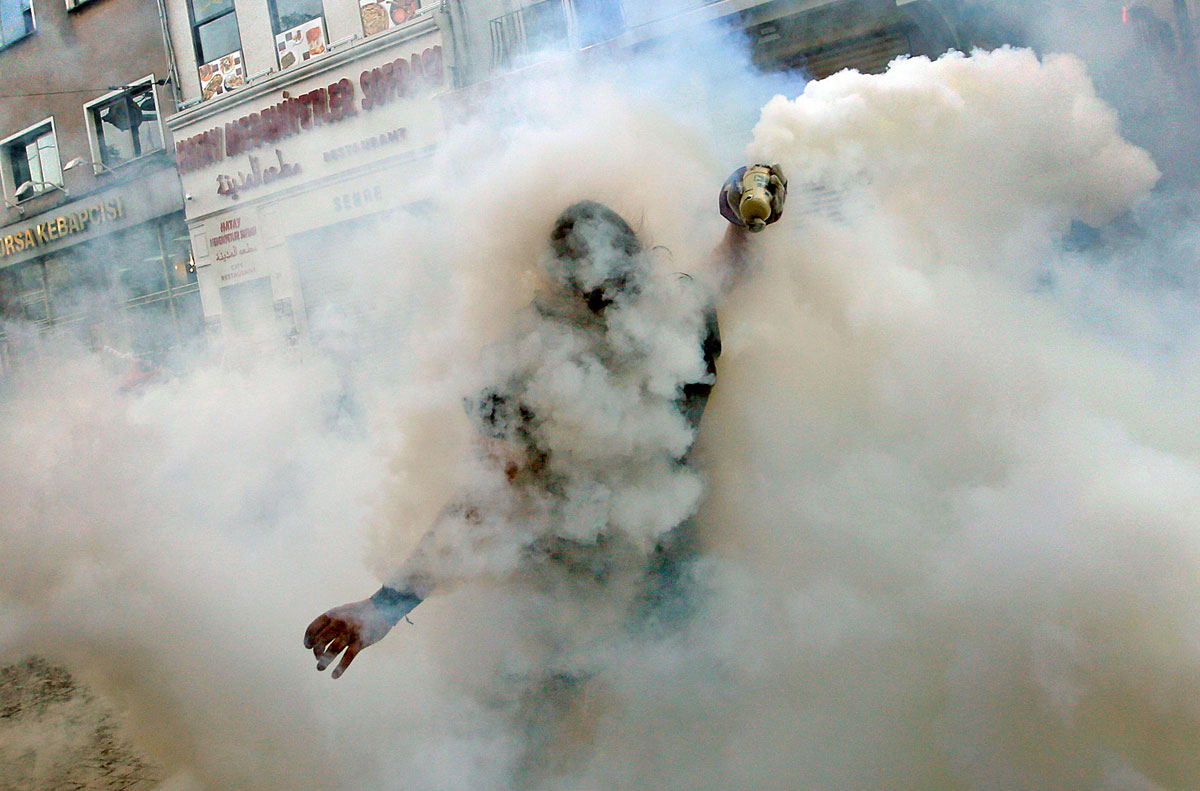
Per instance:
{"type": "Point", "coordinates": [357, 199]}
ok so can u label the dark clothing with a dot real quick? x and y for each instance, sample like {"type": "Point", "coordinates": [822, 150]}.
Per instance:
{"type": "Point", "coordinates": [695, 394]}
{"type": "Point", "coordinates": [664, 595]}
{"type": "Point", "coordinates": [612, 329]}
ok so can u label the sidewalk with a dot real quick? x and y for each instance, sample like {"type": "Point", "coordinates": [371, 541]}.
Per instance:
{"type": "Point", "coordinates": [56, 735]}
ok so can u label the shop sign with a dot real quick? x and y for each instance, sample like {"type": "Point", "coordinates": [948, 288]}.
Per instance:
{"type": "Point", "coordinates": [394, 137]}
{"type": "Point", "coordinates": [297, 115]}
{"type": "Point", "coordinates": [233, 186]}
{"type": "Point", "coordinates": [62, 227]}
{"type": "Point", "coordinates": [290, 117]}
{"type": "Point", "coordinates": [366, 197]}
{"type": "Point", "coordinates": [233, 245]}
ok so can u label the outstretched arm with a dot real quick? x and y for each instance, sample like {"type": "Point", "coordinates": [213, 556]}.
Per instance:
{"type": "Point", "coordinates": [358, 625]}
{"type": "Point", "coordinates": [355, 626]}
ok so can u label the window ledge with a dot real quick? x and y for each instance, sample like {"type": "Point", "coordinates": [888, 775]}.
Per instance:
{"type": "Point", "coordinates": [125, 164]}
{"type": "Point", "coordinates": [42, 194]}
{"type": "Point", "coordinates": [17, 41]}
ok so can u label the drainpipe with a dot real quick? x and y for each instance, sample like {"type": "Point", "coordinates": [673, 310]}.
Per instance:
{"type": "Point", "coordinates": [1184, 19]}
{"type": "Point", "coordinates": [459, 43]}
{"type": "Point", "coordinates": [176, 92]}
{"type": "Point", "coordinates": [1187, 38]}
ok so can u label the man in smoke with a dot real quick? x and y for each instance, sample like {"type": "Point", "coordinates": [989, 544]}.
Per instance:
{"type": "Point", "coordinates": [582, 491]}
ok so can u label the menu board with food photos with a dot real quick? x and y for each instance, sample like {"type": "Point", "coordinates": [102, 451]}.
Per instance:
{"type": "Point", "coordinates": [301, 43]}
{"type": "Point", "coordinates": [379, 15]}
{"type": "Point", "coordinates": [221, 75]}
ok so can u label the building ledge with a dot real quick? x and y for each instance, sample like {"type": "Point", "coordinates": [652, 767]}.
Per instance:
{"type": "Point", "coordinates": [762, 11]}
{"type": "Point", "coordinates": [278, 80]}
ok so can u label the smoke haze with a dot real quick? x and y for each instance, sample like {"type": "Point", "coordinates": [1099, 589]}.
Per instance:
{"type": "Point", "coordinates": [951, 526]}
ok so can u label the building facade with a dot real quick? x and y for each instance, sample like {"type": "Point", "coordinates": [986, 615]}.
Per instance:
{"type": "Point", "coordinates": [818, 37]}
{"type": "Point", "coordinates": [93, 245]}
{"type": "Point", "coordinates": [302, 125]}
{"type": "Point", "coordinates": [1166, 31]}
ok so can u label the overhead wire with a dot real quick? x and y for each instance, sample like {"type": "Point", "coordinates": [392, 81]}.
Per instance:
{"type": "Point", "coordinates": [81, 90]}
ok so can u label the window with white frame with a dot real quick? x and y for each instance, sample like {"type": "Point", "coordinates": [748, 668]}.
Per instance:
{"type": "Point", "coordinates": [126, 125]}
{"type": "Point", "coordinates": [218, 44]}
{"type": "Point", "coordinates": [32, 160]}
{"type": "Point", "coordinates": [214, 29]}
{"type": "Point", "coordinates": [16, 21]}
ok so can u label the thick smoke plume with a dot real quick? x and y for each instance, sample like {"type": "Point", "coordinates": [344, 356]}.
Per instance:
{"type": "Point", "coordinates": [951, 525]}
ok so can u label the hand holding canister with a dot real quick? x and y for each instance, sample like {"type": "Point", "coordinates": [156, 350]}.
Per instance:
{"type": "Point", "coordinates": [753, 196]}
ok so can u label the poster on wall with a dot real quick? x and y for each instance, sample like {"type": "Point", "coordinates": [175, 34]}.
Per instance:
{"type": "Point", "coordinates": [221, 75]}
{"type": "Point", "coordinates": [301, 43]}
{"type": "Point", "coordinates": [380, 15]}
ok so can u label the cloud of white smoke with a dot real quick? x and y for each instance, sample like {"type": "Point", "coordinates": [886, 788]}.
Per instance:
{"type": "Point", "coordinates": [979, 560]}
{"type": "Point", "coordinates": [950, 535]}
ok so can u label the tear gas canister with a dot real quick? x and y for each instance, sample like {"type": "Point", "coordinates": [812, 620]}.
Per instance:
{"type": "Point", "coordinates": [755, 205]}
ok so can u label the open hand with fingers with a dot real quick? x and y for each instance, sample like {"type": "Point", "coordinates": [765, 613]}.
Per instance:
{"type": "Point", "coordinates": [355, 626]}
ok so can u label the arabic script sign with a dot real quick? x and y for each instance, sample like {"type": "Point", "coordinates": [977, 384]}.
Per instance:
{"type": "Point", "coordinates": [233, 243]}
{"type": "Point", "coordinates": [233, 186]}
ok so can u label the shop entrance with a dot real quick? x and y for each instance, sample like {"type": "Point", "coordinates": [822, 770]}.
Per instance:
{"type": "Point", "coordinates": [247, 313]}
{"type": "Point", "coordinates": [359, 284]}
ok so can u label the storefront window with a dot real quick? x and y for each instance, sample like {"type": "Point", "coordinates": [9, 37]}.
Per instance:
{"type": "Point", "coordinates": [10, 299]}
{"type": "Point", "coordinates": [133, 291]}
{"type": "Point", "coordinates": [163, 307]}
{"type": "Point", "coordinates": [189, 314]}
{"type": "Point", "coordinates": [11, 303]}
{"type": "Point", "coordinates": [177, 251]}
{"type": "Point", "coordinates": [27, 286]}
{"type": "Point", "coordinates": [152, 330]}
{"type": "Point", "coordinates": [76, 285]}
{"type": "Point", "coordinates": [139, 270]}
